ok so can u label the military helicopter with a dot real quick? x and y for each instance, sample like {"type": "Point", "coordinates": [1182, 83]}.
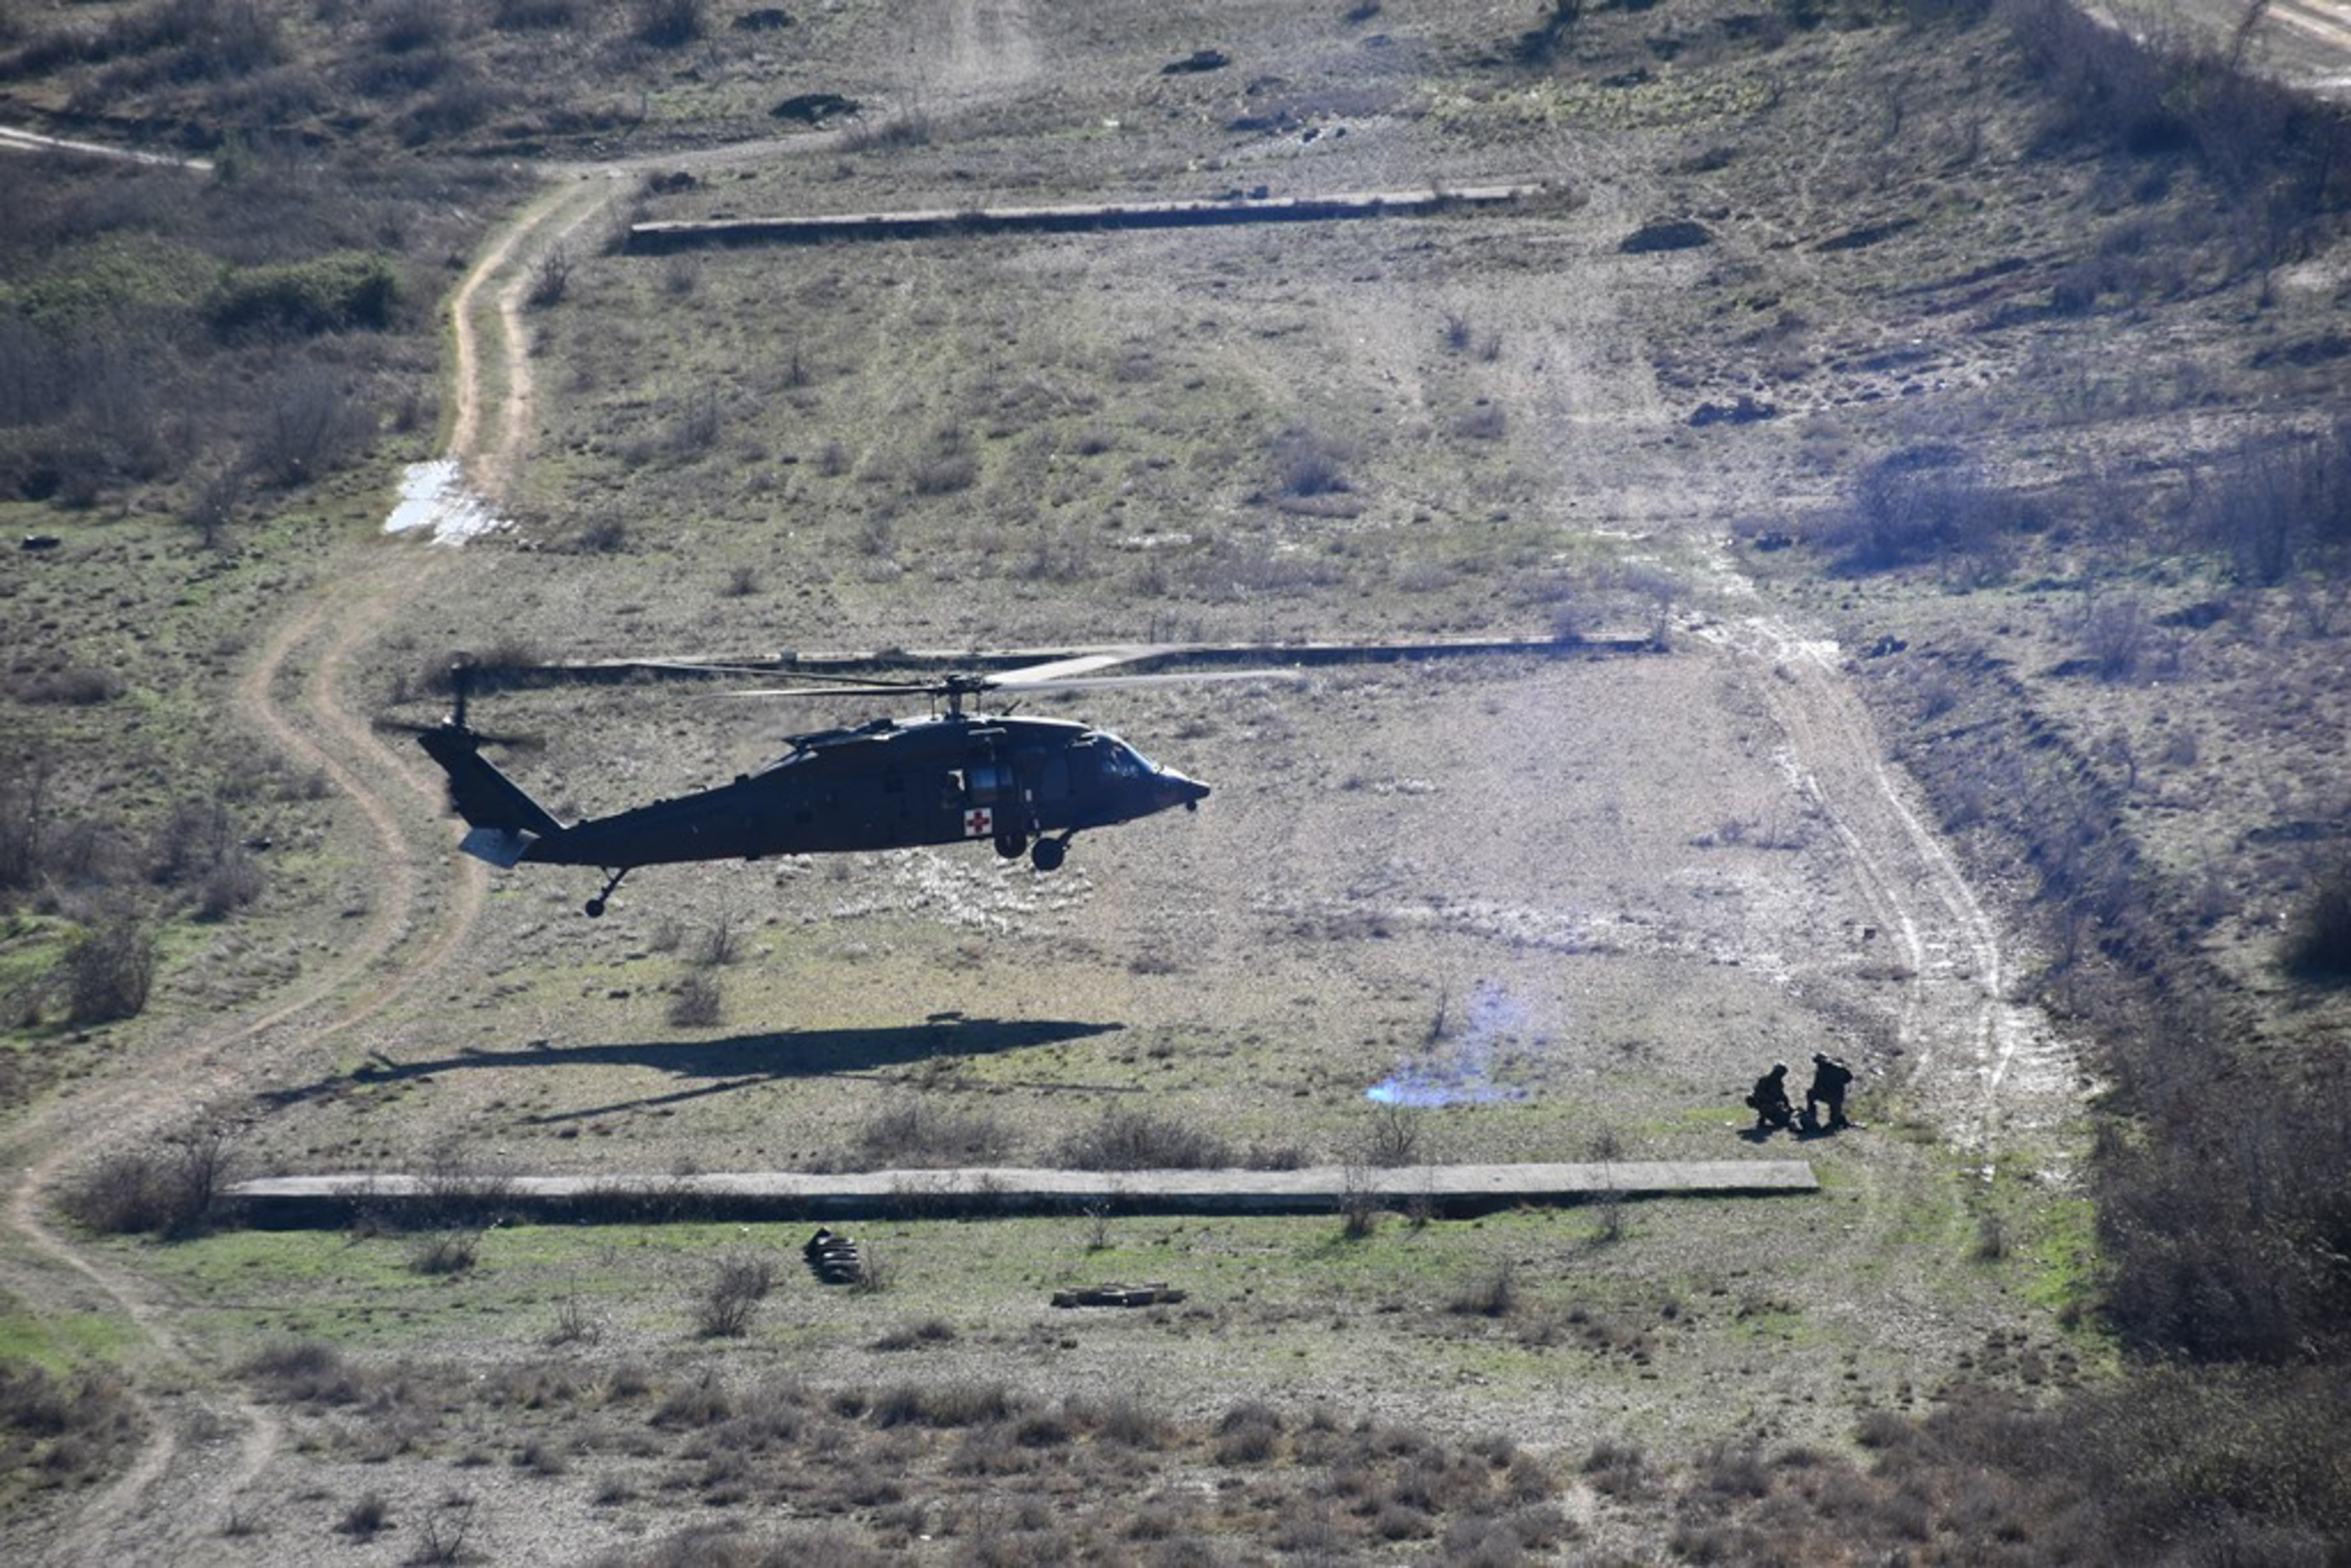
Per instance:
{"type": "Point", "coordinates": [1026, 785]}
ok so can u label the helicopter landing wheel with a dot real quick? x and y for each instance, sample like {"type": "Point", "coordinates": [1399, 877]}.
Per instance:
{"type": "Point", "coordinates": [1011, 846]}
{"type": "Point", "coordinates": [1047, 854]}
{"type": "Point", "coordinates": [594, 907]}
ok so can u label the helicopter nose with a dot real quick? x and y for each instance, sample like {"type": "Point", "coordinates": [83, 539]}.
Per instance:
{"type": "Point", "coordinates": [1175, 790]}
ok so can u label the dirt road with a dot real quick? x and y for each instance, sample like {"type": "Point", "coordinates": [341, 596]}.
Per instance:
{"type": "Point", "coordinates": [205, 1441]}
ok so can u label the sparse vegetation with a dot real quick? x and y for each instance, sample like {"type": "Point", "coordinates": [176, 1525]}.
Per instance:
{"type": "Point", "coordinates": [2059, 398]}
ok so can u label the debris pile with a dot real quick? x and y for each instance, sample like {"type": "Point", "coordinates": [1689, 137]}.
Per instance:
{"type": "Point", "coordinates": [1118, 1296]}
{"type": "Point", "coordinates": [834, 1258]}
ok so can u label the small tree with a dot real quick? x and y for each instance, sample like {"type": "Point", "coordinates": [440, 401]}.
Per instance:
{"type": "Point", "coordinates": [668, 24]}
{"type": "Point", "coordinates": [2317, 945]}
{"type": "Point", "coordinates": [109, 972]}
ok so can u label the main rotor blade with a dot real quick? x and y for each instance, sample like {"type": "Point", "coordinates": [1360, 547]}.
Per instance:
{"type": "Point", "coordinates": [866, 691]}
{"type": "Point", "coordinates": [1169, 678]}
{"type": "Point", "coordinates": [1028, 675]}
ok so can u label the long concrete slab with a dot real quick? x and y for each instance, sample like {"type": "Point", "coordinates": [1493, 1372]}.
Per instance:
{"type": "Point", "coordinates": [928, 223]}
{"type": "Point", "coordinates": [295, 1202]}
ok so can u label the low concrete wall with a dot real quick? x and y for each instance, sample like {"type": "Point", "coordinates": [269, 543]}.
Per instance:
{"type": "Point", "coordinates": [654, 238]}
{"type": "Point", "coordinates": [297, 1202]}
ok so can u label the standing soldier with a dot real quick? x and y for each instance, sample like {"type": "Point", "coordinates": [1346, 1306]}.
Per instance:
{"type": "Point", "coordinates": [1769, 1101]}
{"type": "Point", "coordinates": [1830, 1078]}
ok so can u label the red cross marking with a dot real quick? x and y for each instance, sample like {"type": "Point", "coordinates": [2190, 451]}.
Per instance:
{"type": "Point", "coordinates": [978, 821]}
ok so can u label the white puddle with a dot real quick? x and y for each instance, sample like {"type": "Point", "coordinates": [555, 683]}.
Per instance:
{"type": "Point", "coordinates": [433, 496]}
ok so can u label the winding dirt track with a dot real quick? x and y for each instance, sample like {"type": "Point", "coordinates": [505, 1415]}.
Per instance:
{"type": "Point", "coordinates": [205, 1443]}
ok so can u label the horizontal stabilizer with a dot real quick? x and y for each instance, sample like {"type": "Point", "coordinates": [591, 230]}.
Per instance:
{"type": "Point", "coordinates": [502, 847]}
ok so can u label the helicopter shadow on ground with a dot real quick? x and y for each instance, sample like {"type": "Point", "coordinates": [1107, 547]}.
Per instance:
{"type": "Point", "coordinates": [735, 1061]}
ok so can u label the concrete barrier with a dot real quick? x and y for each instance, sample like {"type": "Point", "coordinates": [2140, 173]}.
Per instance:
{"type": "Point", "coordinates": [659, 237]}
{"type": "Point", "coordinates": [316, 1201]}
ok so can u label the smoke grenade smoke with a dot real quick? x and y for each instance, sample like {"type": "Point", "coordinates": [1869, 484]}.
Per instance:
{"type": "Point", "coordinates": [1459, 1066]}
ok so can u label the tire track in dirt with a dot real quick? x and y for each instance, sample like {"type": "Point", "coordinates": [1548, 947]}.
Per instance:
{"type": "Point", "coordinates": [178, 1485]}
{"type": "Point", "coordinates": [1982, 1065]}
{"type": "Point", "coordinates": [178, 1490]}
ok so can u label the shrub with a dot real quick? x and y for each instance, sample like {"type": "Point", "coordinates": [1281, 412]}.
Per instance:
{"type": "Point", "coordinates": [2280, 506]}
{"type": "Point", "coordinates": [2317, 943]}
{"type": "Point", "coordinates": [738, 1283]}
{"type": "Point", "coordinates": [367, 1518]}
{"type": "Point", "coordinates": [1494, 1296]}
{"type": "Point", "coordinates": [330, 294]}
{"type": "Point", "coordinates": [109, 972]}
{"type": "Point", "coordinates": [1136, 1141]}
{"type": "Point", "coordinates": [306, 1372]}
{"type": "Point", "coordinates": [549, 279]}
{"type": "Point", "coordinates": [699, 1002]}
{"type": "Point", "coordinates": [1922, 504]}
{"type": "Point", "coordinates": [518, 16]}
{"type": "Point", "coordinates": [944, 1405]}
{"type": "Point", "coordinates": [172, 1190]}
{"type": "Point", "coordinates": [445, 1252]}
{"type": "Point", "coordinates": [1306, 465]}
{"type": "Point", "coordinates": [668, 24]}
{"type": "Point", "coordinates": [1249, 1434]}
{"type": "Point", "coordinates": [309, 424]}
{"type": "Point", "coordinates": [917, 1134]}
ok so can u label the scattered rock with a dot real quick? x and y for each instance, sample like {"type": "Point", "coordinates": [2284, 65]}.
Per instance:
{"type": "Point", "coordinates": [766, 19]}
{"type": "Point", "coordinates": [1862, 238]}
{"type": "Point", "coordinates": [814, 108]}
{"type": "Point", "coordinates": [1666, 234]}
{"type": "Point", "coordinates": [1118, 1296]}
{"type": "Point", "coordinates": [1746, 411]}
{"type": "Point", "coordinates": [1197, 61]}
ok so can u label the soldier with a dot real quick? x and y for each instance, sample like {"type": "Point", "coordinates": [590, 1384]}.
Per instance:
{"type": "Point", "coordinates": [1769, 1101]}
{"type": "Point", "coordinates": [1830, 1078]}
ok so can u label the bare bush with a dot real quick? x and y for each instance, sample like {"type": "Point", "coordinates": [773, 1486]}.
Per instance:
{"type": "Point", "coordinates": [1393, 1136]}
{"type": "Point", "coordinates": [367, 1518]}
{"type": "Point", "coordinates": [308, 425]}
{"type": "Point", "coordinates": [2317, 942]}
{"type": "Point", "coordinates": [1137, 1140]}
{"type": "Point", "coordinates": [1924, 504]}
{"type": "Point", "coordinates": [699, 1001]}
{"type": "Point", "coordinates": [2114, 633]}
{"type": "Point", "coordinates": [550, 280]}
{"type": "Point", "coordinates": [1539, 46]}
{"type": "Point", "coordinates": [2280, 506]}
{"type": "Point", "coordinates": [445, 1252]}
{"type": "Point", "coordinates": [907, 128]}
{"type": "Point", "coordinates": [738, 1282]}
{"type": "Point", "coordinates": [921, 1134]}
{"type": "Point", "coordinates": [1306, 465]}
{"type": "Point", "coordinates": [1493, 1295]}
{"type": "Point", "coordinates": [668, 24]}
{"type": "Point", "coordinates": [171, 1189]}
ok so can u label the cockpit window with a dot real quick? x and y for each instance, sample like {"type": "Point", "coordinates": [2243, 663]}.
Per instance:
{"type": "Point", "coordinates": [1120, 760]}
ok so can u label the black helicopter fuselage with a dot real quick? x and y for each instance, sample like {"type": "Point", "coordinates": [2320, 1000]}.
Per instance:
{"type": "Point", "coordinates": [1021, 784]}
